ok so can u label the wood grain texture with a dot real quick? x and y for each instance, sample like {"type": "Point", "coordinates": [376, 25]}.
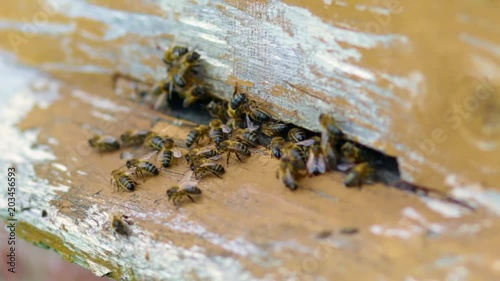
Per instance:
{"type": "Point", "coordinates": [420, 88]}
{"type": "Point", "coordinates": [414, 79]}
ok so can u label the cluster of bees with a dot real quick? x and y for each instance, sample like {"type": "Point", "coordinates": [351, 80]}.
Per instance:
{"type": "Point", "coordinates": [238, 127]}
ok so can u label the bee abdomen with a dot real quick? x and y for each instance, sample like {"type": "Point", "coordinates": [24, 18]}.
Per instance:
{"type": "Point", "coordinates": [151, 168]}
{"type": "Point", "coordinates": [191, 138]}
{"type": "Point", "coordinates": [127, 183]}
{"type": "Point", "coordinates": [167, 158]}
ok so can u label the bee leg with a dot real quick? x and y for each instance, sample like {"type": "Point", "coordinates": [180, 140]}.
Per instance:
{"type": "Point", "coordinates": [142, 175]}
{"type": "Point", "coordinates": [189, 196]}
{"type": "Point", "coordinates": [228, 155]}
{"type": "Point", "coordinates": [238, 156]}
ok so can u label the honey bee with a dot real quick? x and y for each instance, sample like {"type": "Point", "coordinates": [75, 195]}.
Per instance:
{"type": "Point", "coordinates": [218, 131]}
{"type": "Point", "coordinates": [193, 94]}
{"type": "Point", "coordinates": [173, 54]}
{"type": "Point", "coordinates": [197, 134]}
{"type": "Point", "coordinates": [272, 129]}
{"type": "Point", "coordinates": [194, 154]}
{"type": "Point", "coordinates": [316, 162]}
{"type": "Point", "coordinates": [296, 135]}
{"type": "Point", "coordinates": [257, 114]}
{"type": "Point", "coordinates": [286, 172]}
{"type": "Point", "coordinates": [329, 125]}
{"type": "Point", "coordinates": [104, 143]}
{"type": "Point", "coordinates": [169, 153]}
{"type": "Point", "coordinates": [119, 224]}
{"type": "Point", "coordinates": [142, 166]}
{"type": "Point", "coordinates": [234, 107]}
{"type": "Point", "coordinates": [134, 138]}
{"type": "Point", "coordinates": [218, 110]}
{"type": "Point", "coordinates": [205, 167]}
{"type": "Point", "coordinates": [360, 174]}
{"type": "Point", "coordinates": [351, 153]}
{"type": "Point", "coordinates": [247, 137]}
{"type": "Point", "coordinates": [276, 146]}
{"type": "Point", "coordinates": [122, 179]}
{"type": "Point", "coordinates": [155, 142]}
{"type": "Point", "coordinates": [176, 193]}
{"type": "Point", "coordinates": [238, 148]}
{"type": "Point", "coordinates": [296, 153]}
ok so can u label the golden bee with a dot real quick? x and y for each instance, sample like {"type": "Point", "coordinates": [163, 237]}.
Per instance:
{"type": "Point", "coordinates": [203, 167]}
{"type": "Point", "coordinates": [120, 224]}
{"type": "Point", "coordinates": [193, 94]}
{"type": "Point", "coordinates": [256, 113]}
{"type": "Point", "coordinates": [195, 154]}
{"type": "Point", "coordinates": [169, 153]}
{"type": "Point", "coordinates": [273, 129]}
{"type": "Point", "coordinates": [122, 179]}
{"type": "Point", "coordinates": [287, 173]}
{"type": "Point", "coordinates": [296, 135]}
{"type": "Point", "coordinates": [173, 54]}
{"type": "Point", "coordinates": [329, 125]}
{"type": "Point", "coordinates": [316, 163]}
{"type": "Point", "coordinates": [296, 153]}
{"type": "Point", "coordinates": [361, 173]}
{"type": "Point", "coordinates": [276, 146]}
{"type": "Point", "coordinates": [197, 134]}
{"type": "Point", "coordinates": [134, 138]}
{"type": "Point", "coordinates": [155, 142]}
{"type": "Point", "coordinates": [351, 153]}
{"type": "Point", "coordinates": [218, 110]}
{"type": "Point", "coordinates": [237, 103]}
{"type": "Point", "coordinates": [238, 148]}
{"type": "Point", "coordinates": [218, 131]}
{"type": "Point", "coordinates": [247, 137]}
{"type": "Point", "coordinates": [176, 193]}
{"type": "Point", "coordinates": [141, 166]}
{"type": "Point", "coordinates": [104, 143]}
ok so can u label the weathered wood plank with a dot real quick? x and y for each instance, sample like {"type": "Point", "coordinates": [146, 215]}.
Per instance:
{"type": "Point", "coordinates": [422, 89]}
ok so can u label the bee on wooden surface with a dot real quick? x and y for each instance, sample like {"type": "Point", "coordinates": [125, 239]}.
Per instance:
{"type": "Point", "coordinates": [104, 143]}
{"type": "Point", "coordinates": [218, 109]}
{"type": "Point", "coordinates": [197, 134]}
{"type": "Point", "coordinates": [247, 137]}
{"type": "Point", "coordinates": [204, 167]}
{"type": "Point", "coordinates": [169, 153]}
{"type": "Point", "coordinates": [351, 153]}
{"type": "Point", "coordinates": [120, 223]}
{"type": "Point", "coordinates": [329, 125]}
{"type": "Point", "coordinates": [294, 152]}
{"type": "Point", "coordinates": [257, 114]}
{"type": "Point", "coordinates": [176, 193]}
{"type": "Point", "coordinates": [123, 180]}
{"type": "Point", "coordinates": [237, 103]}
{"type": "Point", "coordinates": [194, 154]}
{"type": "Point", "coordinates": [238, 148]}
{"type": "Point", "coordinates": [359, 175]}
{"type": "Point", "coordinates": [218, 131]}
{"type": "Point", "coordinates": [193, 94]}
{"type": "Point", "coordinates": [173, 54]}
{"type": "Point", "coordinates": [296, 135]}
{"type": "Point", "coordinates": [316, 162]}
{"type": "Point", "coordinates": [276, 146]}
{"type": "Point", "coordinates": [287, 173]}
{"type": "Point", "coordinates": [142, 166]}
{"type": "Point", "coordinates": [134, 137]}
{"type": "Point", "coordinates": [155, 142]}
{"type": "Point", "coordinates": [273, 129]}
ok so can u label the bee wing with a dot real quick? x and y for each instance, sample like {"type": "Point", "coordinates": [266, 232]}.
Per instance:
{"type": "Point", "coordinates": [147, 156]}
{"type": "Point", "coordinates": [177, 153]}
{"type": "Point", "coordinates": [226, 129]}
{"type": "Point", "coordinates": [345, 166]}
{"type": "Point", "coordinates": [250, 125]}
{"type": "Point", "coordinates": [205, 149]}
{"type": "Point", "coordinates": [316, 164]}
{"type": "Point", "coordinates": [207, 164]}
{"type": "Point", "coordinates": [216, 157]}
{"type": "Point", "coordinates": [307, 142]}
{"type": "Point", "coordinates": [187, 181]}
